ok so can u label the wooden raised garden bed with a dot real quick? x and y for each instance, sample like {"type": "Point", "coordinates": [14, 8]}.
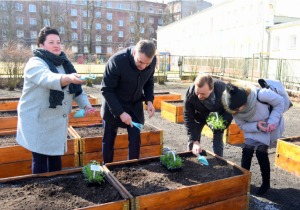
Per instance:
{"type": "Point", "coordinates": [221, 185]}
{"type": "Point", "coordinates": [60, 190]}
{"type": "Point", "coordinates": [15, 160]}
{"type": "Point", "coordinates": [172, 110]}
{"type": "Point", "coordinates": [9, 118]}
{"type": "Point", "coordinates": [232, 135]}
{"type": "Point", "coordinates": [163, 96]}
{"type": "Point", "coordinates": [12, 103]}
{"type": "Point", "coordinates": [288, 154]}
{"type": "Point", "coordinates": [90, 139]}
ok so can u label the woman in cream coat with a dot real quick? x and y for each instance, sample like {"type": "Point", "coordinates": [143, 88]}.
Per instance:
{"type": "Point", "coordinates": [50, 85]}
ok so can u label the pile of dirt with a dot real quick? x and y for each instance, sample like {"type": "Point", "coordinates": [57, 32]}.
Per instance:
{"type": "Point", "coordinates": [8, 140]}
{"type": "Point", "coordinates": [9, 114]}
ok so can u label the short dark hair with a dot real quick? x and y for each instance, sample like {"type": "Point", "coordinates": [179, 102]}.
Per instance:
{"type": "Point", "coordinates": [203, 79]}
{"type": "Point", "coordinates": [44, 32]}
{"type": "Point", "coordinates": [147, 47]}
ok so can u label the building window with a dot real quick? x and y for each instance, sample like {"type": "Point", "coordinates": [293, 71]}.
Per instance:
{"type": "Point", "coordinates": [18, 7]}
{"type": "Point", "coordinates": [47, 22]}
{"type": "Point", "coordinates": [86, 37]}
{"type": "Point", "coordinates": [109, 50]}
{"type": "Point", "coordinates": [86, 14]}
{"type": "Point", "coordinates": [151, 20]}
{"type": "Point", "coordinates": [131, 39]}
{"type": "Point", "coordinates": [120, 33]}
{"type": "Point", "coordinates": [160, 11]}
{"type": "Point", "coordinates": [141, 9]}
{"type": "Point", "coordinates": [98, 14]}
{"type": "Point", "coordinates": [20, 34]}
{"type": "Point", "coordinates": [73, 12]}
{"type": "Point", "coordinates": [109, 38]}
{"type": "Point", "coordinates": [19, 20]}
{"type": "Point", "coordinates": [160, 21]}
{"type": "Point", "coordinates": [109, 27]}
{"type": "Point", "coordinates": [292, 42]}
{"type": "Point", "coordinates": [151, 30]}
{"type": "Point", "coordinates": [131, 30]}
{"type": "Point", "coordinates": [131, 7]}
{"type": "Point", "coordinates": [150, 10]}
{"type": "Point", "coordinates": [4, 19]}
{"type": "Point", "coordinates": [177, 9]}
{"type": "Point", "coordinates": [142, 30]}
{"type": "Point", "coordinates": [98, 38]}
{"type": "Point", "coordinates": [120, 22]}
{"type": "Point", "coordinates": [86, 50]}
{"type": "Point", "coordinates": [120, 6]}
{"type": "Point", "coordinates": [98, 26]}
{"type": "Point", "coordinates": [61, 18]}
{"type": "Point", "coordinates": [32, 8]}
{"type": "Point", "coordinates": [61, 30]}
{"type": "Point", "coordinates": [276, 43]}
{"type": "Point", "coordinates": [142, 19]}
{"type": "Point", "coordinates": [85, 24]}
{"type": "Point", "coordinates": [84, 2]}
{"type": "Point", "coordinates": [46, 9]}
{"type": "Point", "coordinates": [3, 32]}
{"type": "Point", "coordinates": [109, 16]}
{"type": "Point", "coordinates": [33, 34]}
{"type": "Point", "coordinates": [3, 6]}
{"type": "Point", "coordinates": [73, 24]}
{"type": "Point", "coordinates": [74, 36]}
{"type": "Point", "coordinates": [73, 2]}
{"type": "Point", "coordinates": [108, 4]}
{"type": "Point", "coordinates": [98, 3]}
{"type": "Point", "coordinates": [131, 18]}
{"type": "Point", "coordinates": [74, 49]}
{"type": "Point", "coordinates": [98, 49]}
{"type": "Point", "coordinates": [33, 21]}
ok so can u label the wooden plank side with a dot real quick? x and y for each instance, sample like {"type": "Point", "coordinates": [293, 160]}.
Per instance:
{"type": "Point", "coordinates": [180, 118]}
{"type": "Point", "coordinates": [236, 203]}
{"type": "Point", "coordinates": [166, 106]}
{"type": "Point", "coordinates": [217, 188]}
{"type": "Point", "coordinates": [15, 169]}
{"type": "Point", "coordinates": [236, 139]}
{"type": "Point", "coordinates": [289, 150]}
{"type": "Point", "coordinates": [169, 116]}
{"type": "Point", "coordinates": [8, 122]}
{"type": "Point", "coordinates": [14, 154]}
{"type": "Point", "coordinates": [67, 161]}
{"type": "Point", "coordinates": [288, 164]}
{"type": "Point", "coordinates": [234, 129]}
{"type": "Point", "coordinates": [9, 105]}
{"type": "Point", "coordinates": [118, 205]}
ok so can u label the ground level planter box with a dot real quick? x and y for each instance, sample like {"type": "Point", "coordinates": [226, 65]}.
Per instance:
{"type": "Point", "coordinates": [90, 138]}
{"type": "Point", "coordinates": [163, 96]}
{"type": "Point", "coordinates": [15, 160]}
{"type": "Point", "coordinates": [221, 185]}
{"type": "Point", "coordinates": [172, 110]}
{"type": "Point", "coordinates": [12, 103]}
{"type": "Point", "coordinates": [60, 190]}
{"type": "Point", "coordinates": [232, 135]}
{"type": "Point", "coordinates": [288, 154]}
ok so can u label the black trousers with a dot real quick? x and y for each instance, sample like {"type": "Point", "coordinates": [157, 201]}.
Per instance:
{"type": "Point", "coordinates": [45, 163]}
{"type": "Point", "coordinates": [109, 136]}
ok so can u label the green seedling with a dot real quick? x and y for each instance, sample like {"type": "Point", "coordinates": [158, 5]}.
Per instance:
{"type": "Point", "coordinates": [168, 160]}
{"type": "Point", "coordinates": [88, 173]}
{"type": "Point", "coordinates": [216, 122]}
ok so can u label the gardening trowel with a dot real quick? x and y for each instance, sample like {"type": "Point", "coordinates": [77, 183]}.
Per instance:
{"type": "Point", "coordinates": [203, 160]}
{"type": "Point", "coordinates": [80, 113]}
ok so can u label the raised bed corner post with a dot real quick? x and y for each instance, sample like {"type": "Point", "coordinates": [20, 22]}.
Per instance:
{"type": "Point", "coordinates": [76, 153]}
{"type": "Point", "coordinates": [161, 142]}
{"type": "Point", "coordinates": [82, 151]}
{"type": "Point", "coordinates": [248, 192]}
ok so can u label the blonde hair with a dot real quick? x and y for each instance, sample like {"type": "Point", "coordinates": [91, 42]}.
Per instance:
{"type": "Point", "coordinates": [203, 79]}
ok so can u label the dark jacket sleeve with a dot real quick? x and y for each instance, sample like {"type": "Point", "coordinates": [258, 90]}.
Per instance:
{"type": "Point", "coordinates": [149, 86]}
{"type": "Point", "coordinates": [110, 81]}
{"type": "Point", "coordinates": [189, 120]}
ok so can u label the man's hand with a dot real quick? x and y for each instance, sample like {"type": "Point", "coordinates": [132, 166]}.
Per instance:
{"type": "Point", "coordinates": [196, 148]}
{"type": "Point", "coordinates": [126, 119]}
{"type": "Point", "coordinates": [87, 108]}
{"type": "Point", "coordinates": [150, 108]}
{"type": "Point", "coordinates": [261, 127]}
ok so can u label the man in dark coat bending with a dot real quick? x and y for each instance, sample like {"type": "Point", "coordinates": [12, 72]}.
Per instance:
{"type": "Point", "coordinates": [128, 80]}
{"type": "Point", "coordinates": [201, 98]}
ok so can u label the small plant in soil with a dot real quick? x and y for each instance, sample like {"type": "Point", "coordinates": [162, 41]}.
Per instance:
{"type": "Point", "coordinates": [170, 163]}
{"type": "Point", "coordinates": [216, 123]}
{"type": "Point", "coordinates": [89, 174]}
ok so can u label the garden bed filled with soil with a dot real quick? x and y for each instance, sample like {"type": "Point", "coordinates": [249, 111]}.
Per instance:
{"type": "Point", "coordinates": [64, 191]}
{"type": "Point", "coordinates": [8, 140]}
{"type": "Point", "coordinates": [295, 141]}
{"type": "Point", "coordinates": [13, 113]}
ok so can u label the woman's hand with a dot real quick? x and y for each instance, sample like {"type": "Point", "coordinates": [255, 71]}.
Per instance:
{"type": "Point", "coordinates": [271, 127]}
{"type": "Point", "coordinates": [67, 79]}
{"type": "Point", "coordinates": [261, 127]}
{"type": "Point", "coordinates": [87, 109]}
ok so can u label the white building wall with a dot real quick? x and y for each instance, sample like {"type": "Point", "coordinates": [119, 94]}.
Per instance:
{"type": "Point", "coordinates": [236, 28]}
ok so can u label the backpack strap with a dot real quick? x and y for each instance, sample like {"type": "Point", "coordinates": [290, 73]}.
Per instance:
{"type": "Point", "coordinates": [271, 107]}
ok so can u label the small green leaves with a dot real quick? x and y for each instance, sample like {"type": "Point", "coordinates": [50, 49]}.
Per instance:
{"type": "Point", "coordinates": [88, 173]}
{"type": "Point", "coordinates": [168, 160]}
{"type": "Point", "coordinates": [214, 124]}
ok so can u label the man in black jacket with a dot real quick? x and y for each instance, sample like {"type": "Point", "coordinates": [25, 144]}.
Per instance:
{"type": "Point", "coordinates": [201, 98]}
{"type": "Point", "coordinates": [128, 80]}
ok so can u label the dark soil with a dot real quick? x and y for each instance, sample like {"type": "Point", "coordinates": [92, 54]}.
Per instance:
{"type": "Point", "coordinates": [58, 192]}
{"type": "Point", "coordinates": [148, 178]}
{"type": "Point", "coordinates": [162, 93]}
{"type": "Point", "coordinates": [294, 141]}
{"type": "Point", "coordinates": [8, 140]}
{"type": "Point", "coordinates": [9, 114]}
{"type": "Point", "coordinates": [98, 130]}
{"type": "Point", "coordinates": [8, 100]}
{"type": "Point", "coordinates": [176, 103]}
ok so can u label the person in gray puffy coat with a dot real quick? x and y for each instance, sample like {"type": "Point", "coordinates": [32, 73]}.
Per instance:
{"type": "Point", "coordinates": [260, 126]}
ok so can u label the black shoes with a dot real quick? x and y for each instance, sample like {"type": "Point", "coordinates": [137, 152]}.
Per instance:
{"type": "Point", "coordinates": [263, 189]}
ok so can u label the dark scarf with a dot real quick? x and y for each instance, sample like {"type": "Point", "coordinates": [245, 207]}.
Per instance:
{"type": "Point", "coordinates": [56, 96]}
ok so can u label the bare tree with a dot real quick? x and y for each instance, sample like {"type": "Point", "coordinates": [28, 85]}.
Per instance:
{"type": "Point", "coordinates": [8, 19]}
{"type": "Point", "coordinates": [169, 15]}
